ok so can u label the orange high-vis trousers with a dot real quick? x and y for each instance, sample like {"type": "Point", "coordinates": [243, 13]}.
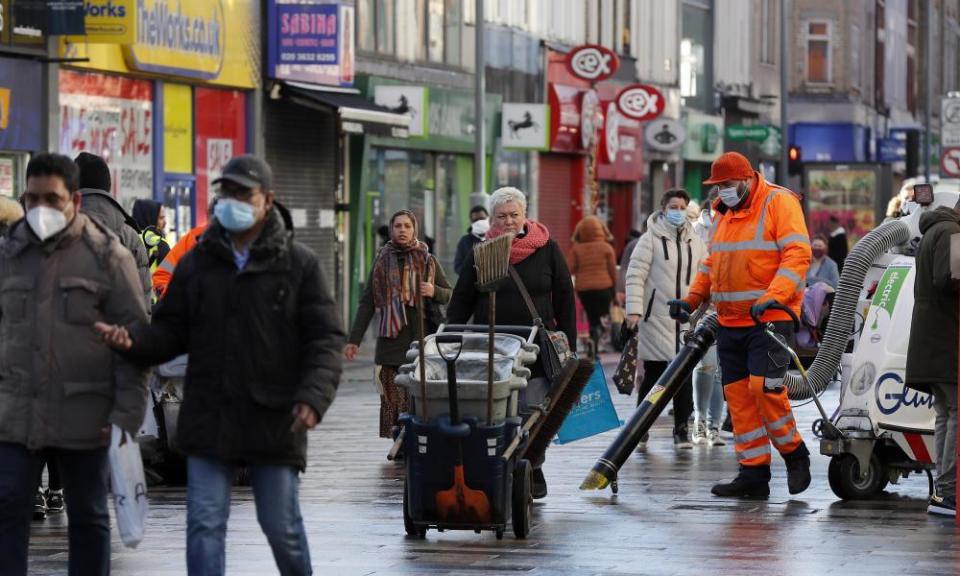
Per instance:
{"type": "Point", "coordinates": [753, 368]}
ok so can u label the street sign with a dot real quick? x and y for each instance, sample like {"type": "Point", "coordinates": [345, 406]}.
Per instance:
{"type": "Point", "coordinates": [592, 62]}
{"type": "Point", "coordinates": [741, 132]}
{"type": "Point", "coordinates": [640, 102]}
{"type": "Point", "coordinates": [950, 122]}
{"type": "Point", "coordinates": [950, 162]}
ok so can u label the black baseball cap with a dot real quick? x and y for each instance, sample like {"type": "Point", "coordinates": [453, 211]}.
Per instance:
{"type": "Point", "coordinates": [248, 171]}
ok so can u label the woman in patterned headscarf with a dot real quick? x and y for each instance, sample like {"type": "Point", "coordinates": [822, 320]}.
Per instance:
{"type": "Point", "coordinates": [402, 265]}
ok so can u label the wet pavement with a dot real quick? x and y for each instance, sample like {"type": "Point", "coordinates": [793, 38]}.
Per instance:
{"type": "Point", "coordinates": [663, 521]}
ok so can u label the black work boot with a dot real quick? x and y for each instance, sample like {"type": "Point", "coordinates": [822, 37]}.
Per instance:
{"type": "Point", "coordinates": [538, 484]}
{"type": "Point", "coordinates": [798, 469]}
{"type": "Point", "coordinates": [752, 483]}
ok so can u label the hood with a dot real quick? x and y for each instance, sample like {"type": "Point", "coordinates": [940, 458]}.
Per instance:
{"type": "Point", "coordinates": [146, 213]}
{"type": "Point", "coordinates": [657, 225]}
{"type": "Point", "coordinates": [941, 214]}
{"type": "Point", "coordinates": [106, 210]}
{"type": "Point", "coordinates": [10, 211]}
{"type": "Point", "coordinates": [591, 229]}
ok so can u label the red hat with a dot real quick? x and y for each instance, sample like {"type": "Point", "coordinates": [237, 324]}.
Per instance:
{"type": "Point", "coordinates": [730, 166]}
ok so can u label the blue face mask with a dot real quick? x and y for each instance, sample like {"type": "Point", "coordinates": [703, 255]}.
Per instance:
{"type": "Point", "coordinates": [730, 196]}
{"type": "Point", "coordinates": [234, 215]}
{"type": "Point", "coordinates": [676, 217]}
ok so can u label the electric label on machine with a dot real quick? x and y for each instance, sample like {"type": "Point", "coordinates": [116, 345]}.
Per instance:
{"type": "Point", "coordinates": [888, 291]}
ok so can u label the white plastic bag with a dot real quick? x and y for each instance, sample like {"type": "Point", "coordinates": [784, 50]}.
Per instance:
{"type": "Point", "coordinates": [129, 487]}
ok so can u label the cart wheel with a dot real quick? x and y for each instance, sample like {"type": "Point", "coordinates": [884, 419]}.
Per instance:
{"type": "Point", "coordinates": [521, 500]}
{"type": "Point", "coordinates": [408, 525]}
{"type": "Point", "coordinates": [844, 476]}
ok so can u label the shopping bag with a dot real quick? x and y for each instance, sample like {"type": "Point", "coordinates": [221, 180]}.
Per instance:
{"type": "Point", "coordinates": [593, 414]}
{"type": "Point", "coordinates": [626, 372]}
{"type": "Point", "coordinates": [128, 486]}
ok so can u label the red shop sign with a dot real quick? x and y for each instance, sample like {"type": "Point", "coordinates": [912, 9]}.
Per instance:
{"type": "Point", "coordinates": [621, 147]}
{"type": "Point", "coordinates": [565, 118]}
{"type": "Point", "coordinates": [640, 102]}
{"type": "Point", "coordinates": [592, 62]}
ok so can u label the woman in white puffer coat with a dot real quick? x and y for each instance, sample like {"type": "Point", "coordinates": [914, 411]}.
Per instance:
{"type": "Point", "coordinates": [662, 266]}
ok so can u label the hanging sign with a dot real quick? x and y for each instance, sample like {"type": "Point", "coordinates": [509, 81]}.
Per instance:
{"type": "Point", "coordinates": [592, 62]}
{"type": "Point", "coordinates": [950, 162]}
{"type": "Point", "coordinates": [525, 126]}
{"type": "Point", "coordinates": [590, 119]}
{"type": "Point", "coordinates": [640, 102]}
{"type": "Point", "coordinates": [666, 135]}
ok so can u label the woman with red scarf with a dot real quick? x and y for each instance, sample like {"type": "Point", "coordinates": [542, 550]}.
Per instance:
{"type": "Point", "coordinates": [542, 268]}
{"type": "Point", "coordinates": [401, 265]}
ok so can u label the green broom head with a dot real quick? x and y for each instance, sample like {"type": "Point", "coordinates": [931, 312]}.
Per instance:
{"type": "Point", "coordinates": [492, 262]}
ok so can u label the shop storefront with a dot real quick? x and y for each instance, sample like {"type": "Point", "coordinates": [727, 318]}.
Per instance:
{"type": "Point", "coordinates": [166, 111]}
{"type": "Point", "coordinates": [619, 167]}
{"type": "Point", "coordinates": [703, 145]}
{"type": "Point", "coordinates": [564, 190]}
{"type": "Point", "coordinates": [22, 126]}
{"type": "Point", "coordinates": [430, 173]}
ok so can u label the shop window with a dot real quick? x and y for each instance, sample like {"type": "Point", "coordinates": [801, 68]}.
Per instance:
{"type": "Point", "coordinates": [453, 23]}
{"type": "Point", "coordinates": [366, 23]}
{"type": "Point", "coordinates": [435, 30]}
{"type": "Point", "coordinates": [819, 61]}
{"type": "Point", "coordinates": [769, 28]}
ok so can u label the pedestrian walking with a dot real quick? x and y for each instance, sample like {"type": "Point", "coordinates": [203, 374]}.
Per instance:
{"type": "Point", "coordinates": [163, 274]}
{"type": "Point", "coordinates": [403, 272]}
{"type": "Point", "coordinates": [661, 269]}
{"type": "Point", "coordinates": [475, 234]}
{"type": "Point", "coordinates": [541, 267]}
{"type": "Point", "coordinates": [95, 186]}
{"type": "Point", "coordinates": [152, 221]}
{"type": "Point", "coordinates": [62, 388]}
{"type": "Point", "coordinates": [758, 257]}
{"type": "Point", "coordinates": [252, 308]}
{"type": "Point", "coordinates": [707, 386]}
{"type": "Point", "coordinates": [822, 267]}
{"type": "Point", "coordinates": [932, 352]}
{"type": "Point", "coordinates": [837, 246]}
{"type": "Point", "coordinates": [593, 262]}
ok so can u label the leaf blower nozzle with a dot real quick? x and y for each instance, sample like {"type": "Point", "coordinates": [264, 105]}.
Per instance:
{"type": "Point", "coordinates": [697, 344]}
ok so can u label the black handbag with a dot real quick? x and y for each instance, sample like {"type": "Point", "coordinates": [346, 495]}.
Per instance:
{"type": "Point", "coordinates": [626, 372]}
{"type": "Point", "coordinates": [554, 345]}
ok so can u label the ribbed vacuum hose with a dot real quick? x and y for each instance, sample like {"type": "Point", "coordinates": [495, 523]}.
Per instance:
{"type": "Point", "coordinates": [843, 313]}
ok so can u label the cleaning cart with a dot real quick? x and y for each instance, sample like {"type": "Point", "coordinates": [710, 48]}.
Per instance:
{"type": "Point", "coordinates": [458, 476]}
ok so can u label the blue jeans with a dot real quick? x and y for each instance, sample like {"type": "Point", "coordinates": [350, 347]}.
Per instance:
{"type": "Point", "coordinates": [708, 390]}
{"type": "Point", "coordinates": [276, 492]}
{"type": "Point", "coordinates": [86, 479]}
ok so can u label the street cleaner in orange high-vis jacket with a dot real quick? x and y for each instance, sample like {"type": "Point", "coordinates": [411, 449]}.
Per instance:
{"type": "Point", "coordinates": [758, 257]}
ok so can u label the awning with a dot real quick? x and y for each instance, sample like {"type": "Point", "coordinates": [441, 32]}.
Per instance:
{"type": "Point", "coordinates": [357, 115]}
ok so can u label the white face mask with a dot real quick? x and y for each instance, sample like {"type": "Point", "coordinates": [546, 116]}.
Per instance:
{"type": "Point", "coordinates": [730, 196]}
{"type": "Point", "coordinates": [46, 222]}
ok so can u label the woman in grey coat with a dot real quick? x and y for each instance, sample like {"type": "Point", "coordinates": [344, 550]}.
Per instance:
{"type": "Point", "coordinates": [392, 289]}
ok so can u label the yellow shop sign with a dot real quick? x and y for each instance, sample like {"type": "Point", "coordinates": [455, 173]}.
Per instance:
{"type": "Point", "coordinates": [179, 37]}
{"type": "Point", "coordinates": [108, 22]}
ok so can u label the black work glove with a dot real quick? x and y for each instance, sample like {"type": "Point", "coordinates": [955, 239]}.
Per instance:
{"type": "Point", "coordinates": [680, 310]}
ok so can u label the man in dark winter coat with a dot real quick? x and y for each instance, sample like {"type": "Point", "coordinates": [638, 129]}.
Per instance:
{"type": "Point", "coordinates": [61, 389]}
{"type": "Point", "coordinates": [251, 307]}
{"type": "Point", "coordinates": [95, 186]}
{"type": "Point", "coordinates": [469, 240]}
{"type": "Point", "coordinates": [932, 355]}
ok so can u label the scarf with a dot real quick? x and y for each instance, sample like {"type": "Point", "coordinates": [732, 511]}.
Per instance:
{"type": "Point", "coordinates": [396, 275]}
{"type": "Point", "coordinates": [535, 236]}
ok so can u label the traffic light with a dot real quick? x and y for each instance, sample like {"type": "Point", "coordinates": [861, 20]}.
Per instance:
{"type": "Point", "coordinates": [795, 165]}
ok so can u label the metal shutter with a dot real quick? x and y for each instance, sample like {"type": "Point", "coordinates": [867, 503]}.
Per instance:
{"type": "Point", "coordinates": [556, 179]}
{"type": "Point", "coordinates": [301, 148]}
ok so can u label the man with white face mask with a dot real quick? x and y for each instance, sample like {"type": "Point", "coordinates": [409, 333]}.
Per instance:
{"type": "Point", "coordinates": [61, 388]}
